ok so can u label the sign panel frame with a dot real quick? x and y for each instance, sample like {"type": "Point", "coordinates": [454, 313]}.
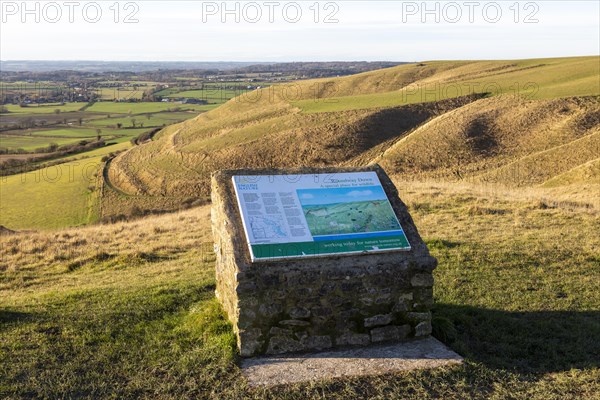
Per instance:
{"type": "Point", "coordinates": [317, 215]}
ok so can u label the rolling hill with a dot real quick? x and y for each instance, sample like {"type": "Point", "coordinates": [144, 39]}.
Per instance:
{"type": "Point", "coordinates": [503, 187]}
{"type": "Point", "coordinates": [515, 123]}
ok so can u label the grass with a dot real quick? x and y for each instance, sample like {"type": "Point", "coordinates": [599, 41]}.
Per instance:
{"type": "Point", "coordinates": [499, 138]}
{"type": "Point", "coordinates": [533, 79]}
{"type": "Point", "coordinates": [116, 94]}
{"type": "Point", "coordinates": [66, 132]}
{"type": "Point", "coordinates": [61, 195]}
{"type": "Point", "coordinates": [150, 120]}
{"type": "Point", "coordinates": [40, 200]}
{"type": "Point", "coordinates": [212, 95]}
{"type": "Point", "coordinates": [127, 310]}
{"type": "Point", "coordinates": [51, 197]}
{"type": "Point", "coordinates": [43, 109]}
{"type": "Point", "coordinates": [142, 108]}
{"type": "Point", "coordinates": [39, 139]}
{"type": "Point", "coordinates": [31, 143]}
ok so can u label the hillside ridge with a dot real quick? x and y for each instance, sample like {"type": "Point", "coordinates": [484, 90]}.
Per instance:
{"type": "Point", "coordinates": [447, 137]}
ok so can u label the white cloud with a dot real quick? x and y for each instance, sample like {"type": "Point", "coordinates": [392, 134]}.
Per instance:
{"type": "Point", "coordinates": [360, 193]}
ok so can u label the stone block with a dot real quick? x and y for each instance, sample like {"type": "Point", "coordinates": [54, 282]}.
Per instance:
{"type": "Point", "coordinates": [353, 339]}
{"type": "Point", "coordinates": [283, 344]}
{"type": "Point", "coordinates": [317, 342]}
{"type": "Point", "coordinates": [390, 333]}
{"type": "Point", "coordinates": [249, 341]}
{"type": "Point", "coordinates": [418, 317]}
{"type": "Point", "coordinates": [299, 312]}
{"type": "Point", "coordinates": [294, 323]}
{"type": "Point", "coordinates": [423, 328]}
{"type": "Point", "coordinates": [306, 304]}
{"type": "Point", "coordinates": [422, 280]}
{"type": "Point", "coordinates": [378, 320]}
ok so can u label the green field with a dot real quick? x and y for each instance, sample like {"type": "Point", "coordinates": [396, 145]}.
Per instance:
{"type": "Point", "coordinates": [51, 197]}
{"type": "Point", "coordinates": [99, 152]}
{"type": "Point", "coordinates": [149, 120]}
{"type": "Point", "coordinates": [142, 108]}
{"type": "Point", "coordinates": [43, 109]}
{"type": "Point", "coordinates": [27, 203]}
{"type": "Point", "coordinates": [350, 217]}
{"type": "Point", "coordinates": [31, 143]}
{"type": "Point", "coordinates": [65, 132]}
{"type": "Point", "coordinates": [117, 94]}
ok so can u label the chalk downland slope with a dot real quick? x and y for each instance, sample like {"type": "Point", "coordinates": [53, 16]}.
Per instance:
{"type": "Point", "coordinates": [492, 133]}
{"type": "Point", "coordinates": [503, 139]}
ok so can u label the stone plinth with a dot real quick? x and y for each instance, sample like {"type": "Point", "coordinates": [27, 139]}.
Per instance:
{"type": "Point", "coordinates": [312, 304]}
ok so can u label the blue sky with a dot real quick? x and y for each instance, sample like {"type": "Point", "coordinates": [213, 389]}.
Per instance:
{"type": "Point", "coordinates": [310, 197]}
{"type": "Point", "coordinates": [341, 30]}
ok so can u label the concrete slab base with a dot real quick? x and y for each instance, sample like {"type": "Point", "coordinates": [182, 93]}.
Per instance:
{"type": "Point", "coordinates": [365, 361]}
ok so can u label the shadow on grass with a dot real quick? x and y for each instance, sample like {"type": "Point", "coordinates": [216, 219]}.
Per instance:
{"type": "Point", "coordinates": [7, 316]}
{"type": "Point", "coordinates": [527, 342]}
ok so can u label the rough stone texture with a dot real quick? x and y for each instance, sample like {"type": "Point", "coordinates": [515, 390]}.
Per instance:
{"type": "Point", "coordinates": [378, 320]}
{"type": "Point", "coordinates": [315, 303]}
{"type": "Point", "coordinates": [364, 361]}
{"type": "Point", "coordinates": [423, 329]}
{"type": "Point", "coordinates": [422, 280]}
{"type": "Point", "coordinates": [389, 333]}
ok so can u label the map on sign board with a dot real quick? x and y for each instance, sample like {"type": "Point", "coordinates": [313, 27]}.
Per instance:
{"type": "Point", "coordinates": [290, 216]}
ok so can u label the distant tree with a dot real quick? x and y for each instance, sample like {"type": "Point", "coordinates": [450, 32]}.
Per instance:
{"type": "Point", "coordinates": [119, 125]}
{"type": "Point", "coordinates": [28, 123]}
{"type": "Point", "coordinates": [98, 132]}
{"type": "Point", "coordinates": [80, 120]}
{"type": "Point", "coordinates": [57, 111]}
{"type": "Point", "coordinates": [133, 122]}
{"type": "Point", "coordinates": [148, 116]}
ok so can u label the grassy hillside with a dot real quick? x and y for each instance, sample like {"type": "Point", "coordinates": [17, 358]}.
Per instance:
{"type": "Point", "coordinates": [180, 161]}
{"type": "Point", "coordinates": [541, 120]}
{"type": "Point", "coordinates": [127, 310]}
{"type": "Point", "coordinates": [503, 139]}
{"type": "Point", "coordinates": [51, 197]}
{"type": "Point", "coordinates": [66, 194]}
{"type": "Point", "coordinates": [503, 187]}
{"type": "Point", "coordinates": [437, 80]}
{"type": "Point", "coordinates": [520, 123]}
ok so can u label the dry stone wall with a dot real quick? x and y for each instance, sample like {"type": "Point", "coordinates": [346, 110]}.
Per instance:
{"type": "Point", "coordinates": [323, 302]}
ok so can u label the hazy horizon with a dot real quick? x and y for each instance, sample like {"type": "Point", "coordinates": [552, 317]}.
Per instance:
{"type": "Point", "coordinates": [251, 62]}
{"type": "Point", "coordinates": [183, 31]}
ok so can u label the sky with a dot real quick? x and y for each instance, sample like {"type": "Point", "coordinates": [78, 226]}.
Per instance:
{"type": "Point", "coordinates": [282, 31]}
{"type": "Point", "coordinates": [309, 197]}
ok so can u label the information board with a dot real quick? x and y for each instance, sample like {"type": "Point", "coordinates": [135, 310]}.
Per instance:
{"type": "Point", "coordinates": [290, 216]}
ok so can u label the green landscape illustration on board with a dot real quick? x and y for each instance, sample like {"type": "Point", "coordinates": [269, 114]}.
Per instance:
{"type": "Point", "coordinates": [347, 210]}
